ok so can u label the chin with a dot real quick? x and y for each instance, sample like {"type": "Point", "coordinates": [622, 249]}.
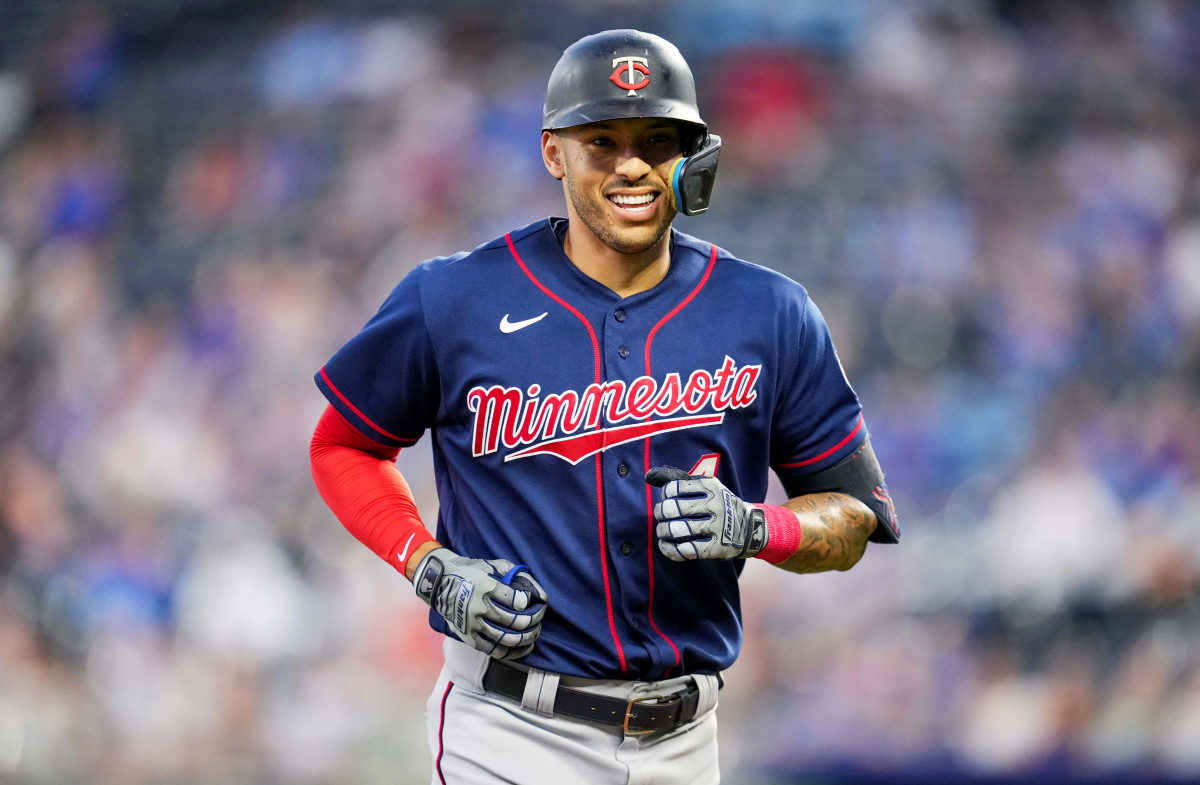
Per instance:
{"type": "Point", "coordinates": [633, 239]}
{"type": "Point", "coordinates": [632, 242]}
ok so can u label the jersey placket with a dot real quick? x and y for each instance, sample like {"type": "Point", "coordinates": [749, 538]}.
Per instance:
{"type": "Point", "coordinates": [625, 330]}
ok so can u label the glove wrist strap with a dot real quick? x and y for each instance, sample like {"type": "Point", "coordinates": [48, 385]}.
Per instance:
{"type": "Point", "coordinates": [783, 533]}
{"type": "Point", "coordinates": [429, 572]}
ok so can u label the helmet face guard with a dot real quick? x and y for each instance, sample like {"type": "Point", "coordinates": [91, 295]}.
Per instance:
{"type": "Point", "coordinates": [621, 74]}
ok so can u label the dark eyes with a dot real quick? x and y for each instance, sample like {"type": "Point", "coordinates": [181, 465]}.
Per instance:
{"type": "Point", "coordinates": [656, 139]}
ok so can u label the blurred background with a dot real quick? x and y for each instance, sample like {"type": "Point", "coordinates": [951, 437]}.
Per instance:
{"type": "Point", "coordinates": [996, 204]}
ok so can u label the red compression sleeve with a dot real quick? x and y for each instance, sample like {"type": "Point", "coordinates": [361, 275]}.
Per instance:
{"type": "Point", "coordinates": [358, 479]}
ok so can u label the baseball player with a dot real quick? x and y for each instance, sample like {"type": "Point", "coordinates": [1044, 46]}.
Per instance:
{"type": "Point", "coordinates": [606, 397]}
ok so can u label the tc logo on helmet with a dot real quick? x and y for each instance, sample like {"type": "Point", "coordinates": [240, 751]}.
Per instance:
{"type": "Point", "coordinates": [625, 74]}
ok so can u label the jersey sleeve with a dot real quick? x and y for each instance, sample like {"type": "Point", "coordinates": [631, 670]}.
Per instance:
{"type": "Point", "coordinates": [820, 441]}
{"type": "Point", "coordinates": [384, 380]}
{"type": "Point", "coordinates": [818, 419]}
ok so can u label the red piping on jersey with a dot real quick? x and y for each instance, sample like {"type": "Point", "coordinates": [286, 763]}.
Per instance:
{"type": "Point", "coordinates": [828, 452]}
{"type": "Point", "coordinates": [612, 624]}
{"type": "Point", "coordinates": [442, 727]}
{"type": "Point", "coordinates": [361, 416]}
{"type": "Point", "coordinates": [703, 280]}
{"type": "Point", "coordinates": [650, 547]}
{"type": "Point", "coordinates": [560, 301]}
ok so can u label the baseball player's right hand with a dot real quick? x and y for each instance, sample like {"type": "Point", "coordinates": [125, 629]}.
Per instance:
{"type": "Point", "coordinates": [493, 604]}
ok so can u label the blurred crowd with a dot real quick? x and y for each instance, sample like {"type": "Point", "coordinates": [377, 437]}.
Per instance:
{"type": "Point", "coordinates": [996, 205]}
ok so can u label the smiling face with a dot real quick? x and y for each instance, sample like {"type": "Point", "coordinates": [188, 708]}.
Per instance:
{"type": "Point", "coordinates": [616, 175]}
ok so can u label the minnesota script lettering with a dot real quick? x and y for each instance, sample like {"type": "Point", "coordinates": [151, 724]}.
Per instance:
{"type": "Point", "coordinates": [573, 425]}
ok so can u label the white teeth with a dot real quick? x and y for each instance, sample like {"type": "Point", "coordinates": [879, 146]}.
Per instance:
{"type": "Point", "coordinates": [633, 200]}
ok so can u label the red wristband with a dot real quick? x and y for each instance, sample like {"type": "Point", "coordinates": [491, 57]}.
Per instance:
{"type": "Point", "coordinates": [783, 529]}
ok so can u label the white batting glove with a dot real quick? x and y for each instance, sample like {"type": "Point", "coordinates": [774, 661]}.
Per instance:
{"type": "Point", "coordinates": [493, 604]}
{"type": "Point", "coordinates": [699, 518]}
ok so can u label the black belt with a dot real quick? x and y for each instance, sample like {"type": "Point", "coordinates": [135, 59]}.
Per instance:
{"type": "Point", "coordinates": [638, 715]}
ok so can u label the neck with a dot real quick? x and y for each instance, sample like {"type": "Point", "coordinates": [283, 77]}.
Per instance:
{"type": "Point", "coordinates": [624, 273]}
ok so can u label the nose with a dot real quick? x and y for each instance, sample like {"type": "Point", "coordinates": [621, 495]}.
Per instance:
{"type": "Point", "coordinates": [632, 165]}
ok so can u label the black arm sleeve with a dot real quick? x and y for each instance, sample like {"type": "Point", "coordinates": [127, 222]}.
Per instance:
{"type": "Point", "coordinates": [857, 475]}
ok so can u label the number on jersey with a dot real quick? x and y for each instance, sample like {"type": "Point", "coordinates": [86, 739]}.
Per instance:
{"type": "Point", "coordinates": [707, 465]}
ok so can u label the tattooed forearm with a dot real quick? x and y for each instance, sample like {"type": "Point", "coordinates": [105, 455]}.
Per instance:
{"type": "Point", "coordinates": [834, 530]}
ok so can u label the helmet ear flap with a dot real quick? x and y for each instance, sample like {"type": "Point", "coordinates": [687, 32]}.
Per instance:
{"type": "Point", "coordinates": [692, 177]}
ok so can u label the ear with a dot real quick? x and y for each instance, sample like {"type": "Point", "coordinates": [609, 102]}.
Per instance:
{"type": "Point", "coordinates": [552, 155]}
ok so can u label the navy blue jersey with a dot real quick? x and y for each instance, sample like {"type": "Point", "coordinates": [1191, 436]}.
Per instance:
{"type": "Point", "coordinates": [549, 396]}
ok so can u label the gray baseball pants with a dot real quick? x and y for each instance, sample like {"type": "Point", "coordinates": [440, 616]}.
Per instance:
{"type": "Point", "coordinates": [477, 738]}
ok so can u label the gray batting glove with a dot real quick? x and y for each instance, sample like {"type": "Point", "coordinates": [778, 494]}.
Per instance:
{"type": "Point", "coordinates": [699, 518]}
{"type": "Point", "coordinates": [493, 604]}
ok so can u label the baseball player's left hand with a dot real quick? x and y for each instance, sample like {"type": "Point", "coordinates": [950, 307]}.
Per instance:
{"type": "Point", "coordinates": [699, 518]}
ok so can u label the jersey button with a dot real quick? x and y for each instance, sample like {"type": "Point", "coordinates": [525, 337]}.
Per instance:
{"type": "Point", "coordinates": [626, 548]}
{"type": "Point", "coordinates": [623, 469]}
{"type": "Point", "coordinates": [619, 315]}
{"type": "Point", "coordinates": [623, 351]}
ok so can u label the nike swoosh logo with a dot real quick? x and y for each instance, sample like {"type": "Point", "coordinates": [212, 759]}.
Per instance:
{"type": "Point", "coordinates": [511, 327]}
{"type": "Point", "coordinates": [404, 552]}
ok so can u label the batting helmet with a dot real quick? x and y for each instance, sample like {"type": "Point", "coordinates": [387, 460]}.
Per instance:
{"type": "Point", "coordinates": [627, 73]}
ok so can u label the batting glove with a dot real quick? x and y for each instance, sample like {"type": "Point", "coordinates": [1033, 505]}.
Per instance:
{"type": "Point", "coordinates": [493, 604]}
{"type": "Point", "coordinates": [699, 518]}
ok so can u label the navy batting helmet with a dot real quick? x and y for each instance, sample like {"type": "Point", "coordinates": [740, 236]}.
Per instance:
{"type": "Point", "coordinates": [627, 73]}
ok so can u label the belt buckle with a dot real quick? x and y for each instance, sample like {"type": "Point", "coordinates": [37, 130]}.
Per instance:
{"type": "Point", "coordinates": [667, 700]}
{"type": "Point", "coordinates": [629, 714]}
